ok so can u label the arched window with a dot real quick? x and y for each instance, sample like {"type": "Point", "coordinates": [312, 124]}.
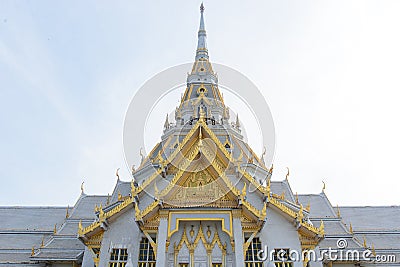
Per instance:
{"type": "Point", "coordinates": [146, 254]}
{"type": "Point", "coordinates": [251, 259]}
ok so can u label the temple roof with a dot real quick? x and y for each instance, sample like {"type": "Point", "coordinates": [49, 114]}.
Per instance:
{"type": "Point", "coordinates": [31, 218]}
{"type": "Point", "coordinates": [379, 218]}
{"type": "Point", "coordinates": [24, 228]}
{"type": "Point", "coordinates": [320, 207]}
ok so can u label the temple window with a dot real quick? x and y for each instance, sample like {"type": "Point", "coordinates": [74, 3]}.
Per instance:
{"type": "Point", "coordinates": [146, 254]}
{"type": "Point", "coordinates": [118, 257]}
{"type": "Point", "coordinates": [251, 259]}
{"type": "Point", "coordinates": [281, 257]}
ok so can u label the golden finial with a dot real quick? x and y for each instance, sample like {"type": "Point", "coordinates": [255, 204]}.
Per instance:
{"type": "Point", "coordinates": [337, 211]}
{"type": "Point", "coordinates": [55, 229]}
{"type": "Point", "coordinates": [108, 199]}
{"type": "Point", "coordinates": [283, 195]}
{"type": "Point", "coordinates": [287, 174]}
{"type": "Point", "coordinates": [82, 191]}
{"type": "Point", "coordinates": [184, 231]}
{"type": "Point", "coordinates": [300, 214]}
{"type": "Point", "coordinates": [80, 227]}
{"type": "Point", "coordinates": [137, 211]}
{"type": "Point", "coordinates": [321, 228]}
{"type": "Point", "coordinates": [373, 249]}
{"type": "Point", "coordinates": [33, 251]}
{"type": "Point", "coordinates": [119, 196]}
{"type": "Point", "coordinates": [308, 207]}
{"type": "Point", "coordinates": [202, 114]}
{"type": "Point", "coordinates": [116, 173]}
{"type": "Point", "coordinates": [364, 242]}
{"type": "Point", "coordinates": [268, 189]}
{"type": "Point", "coordinates": [351, 229]}
{"type": "Point", "coordinates": [200, 133]}
{"type": "Point", "coordinates": [96, 209]}
{"type": "Point", "coordinates": [101, 213]}
{"type": "Point", "coordinates": [244, 190]}
{"type": "Point", "coordinates": [271, 169]}
{"type": "Point", "coordinates": [67, 213]}
{"type": "Point", "coordinates": [209, 231]}
{"type": "Point", "coordinates": [323, 187]}
{"type": "Point", "coordinates": [297, 199]}
{"type": "Point", "coordinates": [200, 139]}
{"type": "Point", "coordinates": [42, 244]}
{"type": "Point", "coordinates": [191, 232]}
{"type": "Point", "coordinates": [264, 211]}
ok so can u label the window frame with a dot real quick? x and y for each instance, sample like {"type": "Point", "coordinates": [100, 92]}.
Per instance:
{"type": "Point", "coordinates": [120, 258]}
{"type": "Point", "coordinates": [287, 262]}
{"type": "Point", "coordinates": [254, 247]}
{"type": "Point", "coordinates": [148, 258]}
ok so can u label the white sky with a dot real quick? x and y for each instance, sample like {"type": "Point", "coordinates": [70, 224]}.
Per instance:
{"type": "Point", "coordinates": [328, 69]}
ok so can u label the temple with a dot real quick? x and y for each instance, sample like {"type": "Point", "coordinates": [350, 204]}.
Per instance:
{"type": "Point", "coordinates": [200, 198]}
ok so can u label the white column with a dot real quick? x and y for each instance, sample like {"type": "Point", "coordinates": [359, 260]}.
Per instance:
{"type": "Point", "coordinates": [161, 242]}
{"type": "Point", "coordinates": [238, 238]}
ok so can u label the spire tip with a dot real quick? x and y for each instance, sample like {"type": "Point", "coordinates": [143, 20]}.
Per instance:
{"type": "Point", "coordinates": [201, 7]}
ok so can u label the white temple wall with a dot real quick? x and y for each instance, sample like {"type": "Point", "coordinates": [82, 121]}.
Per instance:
{"type": "Point", "coordinates": [87, 258]}
{"type": "Point", "coordinates": [122, 233]}
{"type": "Point", "coordinates": [278, 232]}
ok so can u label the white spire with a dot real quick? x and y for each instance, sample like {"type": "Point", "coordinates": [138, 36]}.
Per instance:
{"type": "Point", "coordinates": [202, 51]}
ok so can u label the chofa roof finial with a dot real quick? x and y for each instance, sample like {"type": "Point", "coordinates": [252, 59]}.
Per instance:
{"type": "Point", "coordinates": [117, 174]}
{"type": "Point", "coordinates": [263, 155]}
{"type": "Point", "coordinates": [287, 174]}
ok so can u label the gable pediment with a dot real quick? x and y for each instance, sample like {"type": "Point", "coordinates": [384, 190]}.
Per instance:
{"type": "Point", "coordinates": [202, 188]}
